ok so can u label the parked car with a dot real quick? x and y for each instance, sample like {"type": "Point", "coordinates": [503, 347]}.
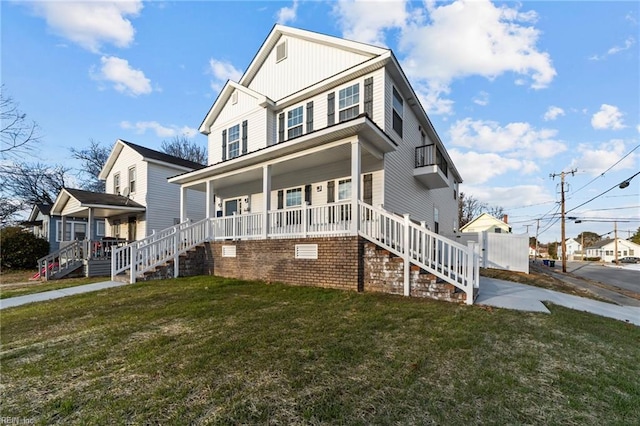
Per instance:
{"type": "Point", "coordinates": [628, 259]}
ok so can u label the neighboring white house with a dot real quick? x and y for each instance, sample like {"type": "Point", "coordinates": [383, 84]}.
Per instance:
{"type": "Point", "coordinates": [573, 247]}
{"type": "Point", "coordinates": [138, 198]}
{"type": "Point", "coordinates": [486, 222]}
{"type": "Point", "coordinates": [605, 249]}
{"type": "Point", "coordinates": [320, 120]}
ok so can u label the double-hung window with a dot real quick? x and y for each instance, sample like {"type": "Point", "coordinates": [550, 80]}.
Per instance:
{"type": "Point", "coordinates": [234, 141]}
{"type": "Point", "coordinates": [398, 107]}
{"type": "Point", "coordinates": [349, 102]}
{"type": "Point", "coordinates": [344, 189]}
{"type": "Point", "coordinates": [294, 122]}
{"type": "Point", "coordinates": [294, 197]}
{"type": "Point", "coordinates": [132, 179]}
{"type": "Point", "coordinates": [116, 184]}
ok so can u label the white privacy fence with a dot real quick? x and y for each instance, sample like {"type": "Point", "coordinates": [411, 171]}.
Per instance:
{"type": "Point", "coordinates": [446, 259]}
{"type": "Point", "coordinates": [499, 251]}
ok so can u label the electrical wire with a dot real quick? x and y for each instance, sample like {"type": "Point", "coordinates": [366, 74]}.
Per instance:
{"type": "Point", "coordinates": [600, 195]}
{"type": "Point", "coordinates": [602, 174]}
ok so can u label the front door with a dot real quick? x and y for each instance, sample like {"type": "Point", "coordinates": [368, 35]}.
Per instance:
{"type": "Point", "coordinates": [131, 228]}
{"type": "Point", "coordinates": [232, 206]}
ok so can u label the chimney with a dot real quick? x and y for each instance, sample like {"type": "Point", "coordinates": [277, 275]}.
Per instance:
{"type": "Point", "coordinates": [505, 218]}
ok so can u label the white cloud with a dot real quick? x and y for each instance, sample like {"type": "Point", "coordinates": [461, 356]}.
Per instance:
{"type": "Point", "coordinates": [509, 196]}
{"type": "Point", "coordinates": [478, 168]}
{"type": "Point", "coordinates": [628, 43]}
{"type": "Point", "coordinates": [552, 113]}
{"type": "Point", "coordinates": [481, 99]}
{"type": "Point", "coordinates": [366, 20]}
{"type": "Point", "coordinates": [442, 43]}
{"type": "Point", "coordinates": [91, 24]}
{"type": "Point", "coordinates": [595, 159]}
{"type": "Point", "coordinates": [287, 14]}
{"type": "Point", "coordinates": [514, 139]}
{"type": "Point", "coordinates": [125, 79]}
{"type": "Point", "coordinates": [222, 71]}
{"type": "Point", "coordinates": [609, 117]}
{"type": "Point", "coordinates": [161, 131]}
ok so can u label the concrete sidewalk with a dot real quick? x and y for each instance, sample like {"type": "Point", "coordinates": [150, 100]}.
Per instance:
{"type": "Point", "coordinates": [56, 294]}
{"type": "Point", "coordinates": [506, 294]}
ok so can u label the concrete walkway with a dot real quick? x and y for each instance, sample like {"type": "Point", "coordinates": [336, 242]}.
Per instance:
{"type": "Point", "coordinates": [498, 293]}
{"type": "Point", "coordinates": [55, 294]}
{"type": "Point", "coordinates": [506, 294]}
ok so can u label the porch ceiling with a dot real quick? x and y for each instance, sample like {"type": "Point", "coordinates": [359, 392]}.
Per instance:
{"type": "Point", "coordinates": [105, 211]}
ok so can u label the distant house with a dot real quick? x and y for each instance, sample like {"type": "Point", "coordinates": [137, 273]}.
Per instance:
{"type": "Point", "coordinates": [138, 198]}
{"type": "Point", "coordinates": [486, 222]}
{"type": "Point", "coordinates": [45, 225]}
{"type": "Point", "coordinates": [605, 249]}
{"type": "Point", "coordinates": [573, 247]}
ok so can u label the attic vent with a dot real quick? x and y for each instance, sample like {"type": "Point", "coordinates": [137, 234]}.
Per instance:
{"type": "Point", "coordinates": [281, 51]}
{"type": "Point", "coordinates": [306, 251]}
{"type": "Point", "coordinates": [228, 251]}
{"type": "Point", "coordinates": [234, 97]}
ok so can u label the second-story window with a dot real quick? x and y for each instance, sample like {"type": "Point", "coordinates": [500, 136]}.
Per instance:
{"type": "Point", "coordinates": [349, 102]}
{"type": "Point", "coordinates": [398, 106]}
{"type": "Point", "coordinates": [132, 179]}
{"type": "Point", "coordinates": [294, 122]}
{"type": "Point", "coordinates": [234, 141]}
{"type": "Point", "coordinates": [116, 184]}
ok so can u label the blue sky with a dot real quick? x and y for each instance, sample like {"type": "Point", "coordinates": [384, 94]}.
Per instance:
{"type": "Point", "coordinates": [516, 91]}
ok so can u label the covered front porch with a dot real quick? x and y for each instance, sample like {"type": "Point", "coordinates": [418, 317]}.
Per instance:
{"type": "Point", "coordinates": [307, 186]}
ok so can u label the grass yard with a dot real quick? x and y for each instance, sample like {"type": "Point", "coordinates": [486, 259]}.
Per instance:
{"type": "Point", "coordinates": [18, 283]}
{"type": "Point", "coordinates": [221, 351]}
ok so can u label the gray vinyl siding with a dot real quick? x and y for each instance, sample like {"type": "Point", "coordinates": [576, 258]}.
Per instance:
{"type": "Point", "coordinates": [163, 200]}
{"type": "Point", "coordinates": [402, 192]}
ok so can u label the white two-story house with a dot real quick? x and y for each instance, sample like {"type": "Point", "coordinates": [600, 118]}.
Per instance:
{"type": "Point", "coordinates": [319, 153]}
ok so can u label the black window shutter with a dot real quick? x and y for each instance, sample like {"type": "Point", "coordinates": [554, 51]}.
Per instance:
{"type": "Point", "coordinates": [331, 108]}
{"type": "Point", "coordinates": [331, 191]}
{"type": "Point", "coordinates": [280, 199]}
{"type": "Point", "coordinates": [307, 194]}
{"type": "Point", "coordinates": [224, 145]}
{"type": "Point", "coordinates": [281, 127]}
{"type": "Point", "coordinates": [310, 117]}
{"type": "Point", "coordinates": [367, 190]}
{"type": "Point", "coordinates": [244, 137]}
{"type": "Point", "coordinates": [368, 97]}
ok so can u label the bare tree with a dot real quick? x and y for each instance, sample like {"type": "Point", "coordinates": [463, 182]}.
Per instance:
{"type": "Point", "coordinates": [93, 159]}
{"type": "Point", "coordinates": [32, 183]}
{"type": "Point", "coordinates": [17, 133]}
{"type": "Point", "coordinates": [185, 148]}
{"type": "Point", "coordinates": [470, 207]}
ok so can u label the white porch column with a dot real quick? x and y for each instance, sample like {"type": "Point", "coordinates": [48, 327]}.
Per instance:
{"type": "Point", "coordinates": [89, 224]}
{"type": "Point", "coordinates": [183, 203]}
{"type": "Point", "coordinates": [211, 200]}
{"type": "Point", "coordinates": [266, 199]}
{"type": "Point", "coordinates": [64, 225]}
{"type": "Point", "coordinates": [355, 184]}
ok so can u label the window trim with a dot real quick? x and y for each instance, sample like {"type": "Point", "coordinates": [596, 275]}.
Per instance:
{"type": "Point", "coordinates": [233, 142]}
{"type": "Point", "coordinates": [104, 228]}
{"type": "Point", "coordinates": [299, 190]}
{"type": "Point", "coordinates": [116, 187]}
{"type": "Point", "coordinates": [132, 182]}
{"type": "Point", "coordinates": [339, 195]}
{"type": "Point", "coordinates": [398, 115]}
{"type": "Point", "coordinates": [298, 125]}
{"type": "Point", "coordinates": [72, 232]}
{"type": "Point", "coordinates": [346, 112]}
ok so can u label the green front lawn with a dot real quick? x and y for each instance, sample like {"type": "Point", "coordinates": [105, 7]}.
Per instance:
{"type": "Point", "coordinates": [221, 351]}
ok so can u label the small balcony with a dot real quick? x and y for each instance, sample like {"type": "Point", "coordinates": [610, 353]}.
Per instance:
{"type": "Point", "coordinates": [431, 167]}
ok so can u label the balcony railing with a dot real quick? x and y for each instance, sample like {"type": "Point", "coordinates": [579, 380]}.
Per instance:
{"type": "Point", "coordinates": [430, 155]}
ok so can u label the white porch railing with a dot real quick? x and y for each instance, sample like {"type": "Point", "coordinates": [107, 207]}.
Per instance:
{"type": "Point", "coordinates": [444, 258]}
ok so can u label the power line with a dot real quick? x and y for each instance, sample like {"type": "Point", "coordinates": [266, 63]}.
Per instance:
{"type": "Point", "coordinates": [602, 174]}
{"type": "Point", "coordinates": [620, 185]}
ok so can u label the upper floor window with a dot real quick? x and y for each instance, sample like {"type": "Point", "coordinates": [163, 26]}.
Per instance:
{"type": "Point", "coordinates": [348, 102]}
{"type": "Point", "coordinates": [132, 179]}
{"type": "Point", "coordinates": [234, 141]}
{"type": "Point", "coordinates": [294, 122]}
{"type": "Point", "coordinates": [398, 107]}
{"type": "Point", "coordinates": [116, 184]}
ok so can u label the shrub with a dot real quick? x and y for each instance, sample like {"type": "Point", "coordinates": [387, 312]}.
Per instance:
{"type": "Point", "coordinates": [20, 249]}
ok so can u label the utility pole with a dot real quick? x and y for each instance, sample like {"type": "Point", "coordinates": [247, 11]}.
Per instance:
{"type": "Point", "coordinates": [527, 226]}
{"type": "Point", "coordinates": [535, 254]}
{"type": "Point", "coordinates": [582, 245]}
{"type": "Point", "coordinates": [615, 239]}
{"type": "Point", "coordinates": [564, 243]}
